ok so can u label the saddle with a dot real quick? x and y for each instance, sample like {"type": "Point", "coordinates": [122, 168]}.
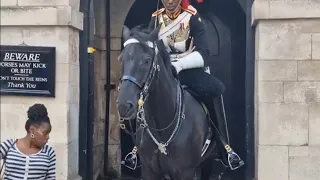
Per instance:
{"type": "Point", "coordinates": [198, 98]}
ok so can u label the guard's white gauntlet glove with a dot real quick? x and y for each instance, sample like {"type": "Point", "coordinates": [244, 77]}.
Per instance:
{"type": "Point", "coordinates": [193, 60]}
{"type": "Point", "coordinates": [187, 60]}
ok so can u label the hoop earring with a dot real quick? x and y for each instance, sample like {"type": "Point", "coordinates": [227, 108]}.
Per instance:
{"type": "Point", "coordinates": [32, 136]}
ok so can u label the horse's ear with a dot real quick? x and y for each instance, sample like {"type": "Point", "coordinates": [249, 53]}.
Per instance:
{"type": "Point", "coordinates": [125, 33]}
{"type": "Point", "coordinates": [151, 25]}
{"type": "Point", "coordinates": [154, 34]}
{"type": "Point", "coordinates": [164, 54]}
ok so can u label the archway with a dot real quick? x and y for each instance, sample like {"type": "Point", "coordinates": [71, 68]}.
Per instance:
{"type": "Point", "coordinates": [228, 20]}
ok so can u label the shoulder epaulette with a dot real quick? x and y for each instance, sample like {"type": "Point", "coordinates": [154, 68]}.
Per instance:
{"type": "Point", "coordinates": [158, 12]}
{"type": "Point", "coordinates": [191, 10]}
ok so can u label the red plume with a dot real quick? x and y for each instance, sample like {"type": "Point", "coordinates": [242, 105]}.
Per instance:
{"type": "Point", "coordinates": [185, 3]}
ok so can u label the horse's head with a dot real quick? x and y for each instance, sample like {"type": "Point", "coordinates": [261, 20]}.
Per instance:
{"type": "Point", "coordinates": [140, 68]}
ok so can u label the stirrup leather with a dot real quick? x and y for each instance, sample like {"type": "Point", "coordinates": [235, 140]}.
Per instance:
{"type": "Point", "coordinates": [234, 160]}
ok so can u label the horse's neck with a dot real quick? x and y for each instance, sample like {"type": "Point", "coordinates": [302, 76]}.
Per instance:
{"type": "Point", "coordinates": [161, 104]}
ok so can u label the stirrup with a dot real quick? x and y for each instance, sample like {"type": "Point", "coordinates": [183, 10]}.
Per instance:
{"type": "Point", "coordinates": [234, 160]}
{"type": "Point", "coordinates": [131, 160]}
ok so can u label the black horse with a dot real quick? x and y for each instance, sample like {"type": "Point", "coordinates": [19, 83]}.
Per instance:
{"type": "Point", "coordinates": [172, 125]}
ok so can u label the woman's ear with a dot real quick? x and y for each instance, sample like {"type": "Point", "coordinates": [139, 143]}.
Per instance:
{"type": "Point", "coordinates": [32, 129]}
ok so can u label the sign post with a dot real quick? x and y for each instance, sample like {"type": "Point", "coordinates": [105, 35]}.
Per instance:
{"type": "Point", "coordinates": [27, 70]}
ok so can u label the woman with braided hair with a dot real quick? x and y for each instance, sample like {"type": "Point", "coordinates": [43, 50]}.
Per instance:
{"type": "Point", "coordinates": [30, 157]}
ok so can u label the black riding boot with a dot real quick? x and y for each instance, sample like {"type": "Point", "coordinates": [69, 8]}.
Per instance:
{"type": "Point", "coordinates": [229, 158]}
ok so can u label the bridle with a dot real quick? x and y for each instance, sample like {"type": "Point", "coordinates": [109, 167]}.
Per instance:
{"type": "Point", "coordinates": [154, 70]}
{"type": "Point", "coordinates": [145, 88]}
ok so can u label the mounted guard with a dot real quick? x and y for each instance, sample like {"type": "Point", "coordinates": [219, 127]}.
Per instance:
{"type": "Point", "coordinates": [184, 35]}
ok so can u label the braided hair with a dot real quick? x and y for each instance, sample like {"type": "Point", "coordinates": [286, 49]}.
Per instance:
{"type": "Point", "coordinates": [37, 114]}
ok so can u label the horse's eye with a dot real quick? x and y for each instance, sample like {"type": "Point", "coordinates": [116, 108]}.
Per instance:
{"type": "Point", "coordinates": [146, 60]}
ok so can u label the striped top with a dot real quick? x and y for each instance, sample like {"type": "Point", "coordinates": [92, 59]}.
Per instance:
{"type": "Point", "coordinates": [18, 166]}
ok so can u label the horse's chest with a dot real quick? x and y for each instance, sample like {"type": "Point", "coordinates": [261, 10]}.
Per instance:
{"type": "Point", "coordinates": [161, 163]}
{"type": "Point", "coordinates": [154, 159]}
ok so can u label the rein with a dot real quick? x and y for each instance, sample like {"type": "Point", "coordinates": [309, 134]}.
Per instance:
{"type": "Point", "coordinates": [140, 118]}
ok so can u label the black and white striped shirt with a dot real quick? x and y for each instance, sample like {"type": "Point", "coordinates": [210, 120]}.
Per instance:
{"type": "Point", "coordinates": [18, 166]}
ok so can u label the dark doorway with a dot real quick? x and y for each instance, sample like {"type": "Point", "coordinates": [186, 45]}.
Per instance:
{"type": "Point", "coordinates": [228, 21]}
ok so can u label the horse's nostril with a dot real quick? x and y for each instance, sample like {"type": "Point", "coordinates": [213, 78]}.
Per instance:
{"type": "Point", "coordinates": [130, 104]}
{"type": "Point", "coordinates": [126, 108]}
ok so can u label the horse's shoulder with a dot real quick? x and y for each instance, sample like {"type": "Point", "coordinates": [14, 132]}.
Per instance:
{"type": "Point", "coordinates": [156, 13]}
{"type": "Point", "coordinates": [190, 9]}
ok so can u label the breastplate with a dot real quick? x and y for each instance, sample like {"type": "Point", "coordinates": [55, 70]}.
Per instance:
{"type": "Point", "coordinates": [177, 41]}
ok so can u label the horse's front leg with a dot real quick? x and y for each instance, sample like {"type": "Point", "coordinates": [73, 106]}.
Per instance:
{"type": "Point", "coordinates": [184, 175]}
{"type": "Point", "coordinates": [147, 174]}
{"type": "Point", "coordinates": [197, 174]}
